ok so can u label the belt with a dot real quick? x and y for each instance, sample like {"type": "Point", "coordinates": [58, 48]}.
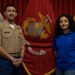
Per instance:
{"type": "Point", "coordinates": [15, 54]}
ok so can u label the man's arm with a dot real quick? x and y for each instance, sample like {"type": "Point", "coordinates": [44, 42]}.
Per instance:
{"type": "Point", "coordinates": [7, 55]}
{"type": "Point", "coordinates": [22, 52]}
{"type": "Point", "coordinates": [21, 56]}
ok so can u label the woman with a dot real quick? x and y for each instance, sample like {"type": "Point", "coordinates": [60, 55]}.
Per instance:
{"type": "Point", "coordinates": [64, 45]}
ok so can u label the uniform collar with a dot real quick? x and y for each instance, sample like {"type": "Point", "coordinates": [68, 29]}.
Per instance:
{"type": "Point", "coordinates": [6, 24]}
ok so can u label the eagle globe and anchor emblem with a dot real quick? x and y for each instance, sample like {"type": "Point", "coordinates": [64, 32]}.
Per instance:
{"type": "Point", "coordinates": [35, 29]}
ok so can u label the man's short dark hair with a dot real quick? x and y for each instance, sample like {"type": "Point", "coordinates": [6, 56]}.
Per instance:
{"type": "Point", "coordinates": [10, 5]}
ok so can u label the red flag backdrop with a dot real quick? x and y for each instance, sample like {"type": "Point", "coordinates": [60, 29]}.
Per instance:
{"type": "Point", "coordinates": [59, 7]}
{"type": "Point", "coordinates": [38, 28]}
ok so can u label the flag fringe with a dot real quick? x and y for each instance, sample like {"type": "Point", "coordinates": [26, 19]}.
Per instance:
{"type": "Point", "coordinates": [49, 73]}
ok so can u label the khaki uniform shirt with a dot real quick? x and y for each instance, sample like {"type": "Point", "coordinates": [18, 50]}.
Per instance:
{"type": "Point", "coordinates": [11, 39]}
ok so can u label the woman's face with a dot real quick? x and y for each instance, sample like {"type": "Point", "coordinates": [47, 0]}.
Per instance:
{"type": "Point", "coordinates": [64, 23]}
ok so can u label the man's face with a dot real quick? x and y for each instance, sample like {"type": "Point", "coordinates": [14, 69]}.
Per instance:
{"type": "Point", "coordinates": [10, 13]}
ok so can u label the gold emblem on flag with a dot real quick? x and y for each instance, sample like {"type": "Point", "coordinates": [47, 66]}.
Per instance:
{"type": "Point", "coordinates": [37, 29]}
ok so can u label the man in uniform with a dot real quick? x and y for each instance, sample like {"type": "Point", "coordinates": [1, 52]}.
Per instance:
{"type": "Point", "coordinates": [12, 41]}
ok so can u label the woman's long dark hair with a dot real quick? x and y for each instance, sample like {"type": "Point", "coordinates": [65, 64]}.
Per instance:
{"type": "Point", "coordinates": [58, 29]}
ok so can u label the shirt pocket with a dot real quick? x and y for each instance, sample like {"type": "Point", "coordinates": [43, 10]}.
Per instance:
{"type": "Point", "coordinates": [7, 34]}
{"type": "Point", "coordinates": [20, 38]}
{"type": "Point", "coordinates": [20, 34]}
{"type": "Point", "coordinates": [7, 37]}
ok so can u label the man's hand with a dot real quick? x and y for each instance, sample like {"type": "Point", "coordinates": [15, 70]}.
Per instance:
{"type": "Point", "coordinates": [17, 62]}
